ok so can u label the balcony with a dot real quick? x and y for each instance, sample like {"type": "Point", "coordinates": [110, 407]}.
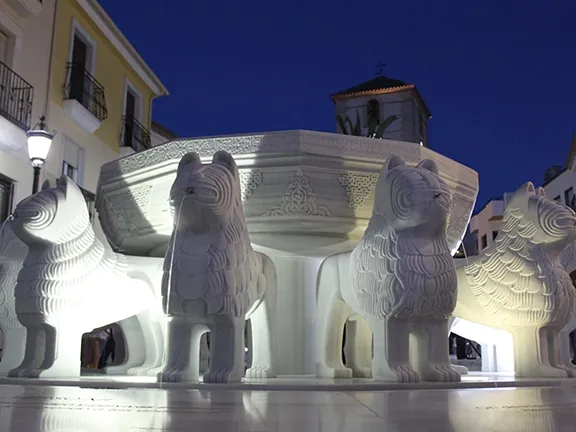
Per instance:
{"type": "Point", "coordinates": [84, 99]}
{"type": "Point", "coordinates": [25, 8]}
{"type": "Point", "coordinates": [135, 137]}
{"type": "Point", "coordinates": [16, 96]}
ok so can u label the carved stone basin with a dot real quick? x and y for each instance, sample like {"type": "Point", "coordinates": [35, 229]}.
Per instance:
{"type": "Point", "coordinates": [295, 184]}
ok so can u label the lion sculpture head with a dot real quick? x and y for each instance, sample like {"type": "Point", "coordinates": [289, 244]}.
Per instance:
{"type": "Point", "coordinates": [206, 197]}
{"type": "Point", "coordinates": [412, 197]}
{"type": "Point", "coordinates": [532, 216]}
{"type": "Point", "coordinates": [53, 216]}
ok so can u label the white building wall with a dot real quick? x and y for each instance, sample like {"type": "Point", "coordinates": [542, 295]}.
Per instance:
{"type": "Point", "coordinates": [29, 41]}
{"type": "Point", "coordinates": [487, 222]}
{"type": "Point", "coordinates": [562, 188]}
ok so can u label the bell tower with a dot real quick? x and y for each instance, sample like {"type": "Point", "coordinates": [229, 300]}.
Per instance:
{"type": "Point", "coordinates": [391, 106]}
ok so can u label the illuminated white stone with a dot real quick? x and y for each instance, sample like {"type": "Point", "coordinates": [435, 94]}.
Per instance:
{"type": "Point", "coordinates": [70, 282]}
{"type": "Point", "coordinates": [306, 196]}
{"type": "Point", "coordinates": [400, 278]}
{"type": "Point", "coordinates": [12, 254]}
{"type": "Point", "coordinates": [519, 285]}
{"type": "Point", "coordinates": [213, 279]}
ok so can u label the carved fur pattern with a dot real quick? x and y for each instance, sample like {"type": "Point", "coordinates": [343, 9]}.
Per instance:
{"type": "Point", "coordinates": [12, 255]}
{"type": "Point", "coordinates": [520, 276]}
{"type": "Point", "coordinates": [210, 257]}
{"type": "Point", "coordinates": [65, 260]}
{"type": "Point", "coordinates": [394, 272]}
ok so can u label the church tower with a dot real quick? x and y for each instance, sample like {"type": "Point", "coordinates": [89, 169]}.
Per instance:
{"type": "Point", "coordinates": [375, 100]}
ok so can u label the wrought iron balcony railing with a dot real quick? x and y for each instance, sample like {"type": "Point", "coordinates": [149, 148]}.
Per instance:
{"type": "Point", "coordinates": [16, 96]}
{"type": "Point", "coordinates": [84, 88]}
{"type": "Point", "coordinates": [134, 134]}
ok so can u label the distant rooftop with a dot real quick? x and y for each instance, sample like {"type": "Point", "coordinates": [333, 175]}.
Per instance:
{"type": "Point", "coordinates": [162, 130]}
{"type": "Point", "coordinates": [375, 86]}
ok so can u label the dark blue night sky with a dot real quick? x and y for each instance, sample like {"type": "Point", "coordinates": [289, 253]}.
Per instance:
{"type": "Point", "coordinates": [498, 76]}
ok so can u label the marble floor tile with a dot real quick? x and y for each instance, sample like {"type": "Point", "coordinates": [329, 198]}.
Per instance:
{"type": "Point", "coordinates": [75, 409]}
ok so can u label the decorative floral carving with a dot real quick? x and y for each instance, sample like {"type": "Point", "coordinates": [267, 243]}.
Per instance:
{"type": "Point", "coordinates": [249, 182]}
{"type": "Point", "coordinates": [128, 218]}
{"type": "Point", "coordinates": [299, 199]}
{"type": "Point", "coordinates": [459, 216]}
{"type": "Point", "coordinates": [358, 187]}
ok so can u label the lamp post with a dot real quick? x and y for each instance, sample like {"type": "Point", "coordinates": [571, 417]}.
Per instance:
{"type": "Point", "coordinates": [39, 142]}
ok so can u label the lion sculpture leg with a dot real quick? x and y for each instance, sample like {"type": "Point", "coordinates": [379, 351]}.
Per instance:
{"type": "Point", "coordinates": [144, 333]}
{"type": "Point", "coordinates": [227, 332]}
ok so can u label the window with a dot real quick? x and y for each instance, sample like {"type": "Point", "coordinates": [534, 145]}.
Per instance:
{"type": "Point", "coordinates": [421, 125]}
{"type": "Point", "coordinates": [130, 114]}
{"type": "Point", "coordinates": [72, 160]}
{"type": "Point", "coordinates": [558, 199]}
{"type": "Point", "coordinates": [133, 132]}
{"type": "Point", "coordinates": [568, 195]}
{"type": "Point", "coordinates": [484, 242]}
{"type": "Point", "coordinates": [69, 170]}
{"type": "Point", "coordinates": [494, 235]}
{"type": "Point", "coordinates": [6, 195]}
{"type": "Point", "coordinates": [4, 45]}
{"type": "Point", "coordinates": [373, 112]}
{"type": "Point", "coordinates": [80, 84]}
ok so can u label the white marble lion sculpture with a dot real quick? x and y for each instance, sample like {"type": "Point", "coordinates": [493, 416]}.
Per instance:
{"type": "Point", "coordinates": [12, 255]}
{"type": "Point", "coordinates": [518, 284]}
{"type": "Point", "coordinates": [70, 282]}
{"type": "Point", "coordinates": [214, 280]}
{"type": "Point", "coordinates": [400, 278]}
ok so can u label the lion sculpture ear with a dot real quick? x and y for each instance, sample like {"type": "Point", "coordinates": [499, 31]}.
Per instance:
{"type": "Point", "coordinates": [190, 158]}
{"type": "Point", "coordinates": [540, 191]}
{"type": "Point", "coordinates": [225, 159]}
{"type": "Point", "coordinates": [429, 165]}
{"type": "Point", "coordinates": [526, 189]}
{"type": "Point", "coordinates": [69, 187]}
{"type": "Point", "coordinates": [45, 185]}
{"type": "Point", "coordinates": [393, 161]}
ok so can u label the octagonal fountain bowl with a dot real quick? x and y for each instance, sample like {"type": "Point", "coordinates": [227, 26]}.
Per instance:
{"type": "Point", "coordinates": [319, 186]}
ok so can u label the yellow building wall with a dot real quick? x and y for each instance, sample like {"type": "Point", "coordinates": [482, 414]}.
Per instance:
{"type": "Point", "coordinates": [111, 70]}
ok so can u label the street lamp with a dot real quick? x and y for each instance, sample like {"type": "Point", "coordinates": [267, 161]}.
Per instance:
{"type": "Point", "coordinates": [39, 142]}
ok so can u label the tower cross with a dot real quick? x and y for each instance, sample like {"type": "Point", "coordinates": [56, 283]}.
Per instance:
{"type": "Point", "coordinates": [380, 66]}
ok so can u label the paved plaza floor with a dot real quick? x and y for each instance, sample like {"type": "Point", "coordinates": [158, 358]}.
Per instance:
{"type": "Point", "coordinates": [84, 407]}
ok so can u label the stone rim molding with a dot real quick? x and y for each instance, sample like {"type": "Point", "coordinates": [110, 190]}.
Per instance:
{"type": "Point", "coordinates": [286, 142]}
{"type": "Point", "coordinates": [292, 182]}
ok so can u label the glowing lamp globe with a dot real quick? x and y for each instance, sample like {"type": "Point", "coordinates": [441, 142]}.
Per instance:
{"type": "Point", "coordinates": [39, 142]}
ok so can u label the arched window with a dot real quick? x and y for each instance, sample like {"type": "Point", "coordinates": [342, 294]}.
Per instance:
{"type": "Point", "coordinates": [373, 112]}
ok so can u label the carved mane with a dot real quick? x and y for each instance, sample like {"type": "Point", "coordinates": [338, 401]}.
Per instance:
{"type": "Point", "coordinates": [216, 265]}
{"type": "Point", "coordinates": [395, 273]}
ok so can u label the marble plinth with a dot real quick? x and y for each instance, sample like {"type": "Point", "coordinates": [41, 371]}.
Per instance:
{"type": "Point", "coordinates": [73, 409]}
{"type": "Point", "coordinates": [296, 383]}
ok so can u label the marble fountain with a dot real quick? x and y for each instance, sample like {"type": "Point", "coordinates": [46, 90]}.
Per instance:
{"type": "Point", "coordinates": [306, 195]}
{"type": "Point", "coordinates": [308, 201]}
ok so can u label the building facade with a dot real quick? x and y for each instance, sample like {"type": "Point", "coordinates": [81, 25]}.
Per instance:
{"type": "Point", "coordinates": [25, 52]}
{"type": "Point", "coordinates": [484, 225]}
{"type": "Point", "coordinates": [101, 94]}
{"type": "Point", "coordinates": [67, 60]}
